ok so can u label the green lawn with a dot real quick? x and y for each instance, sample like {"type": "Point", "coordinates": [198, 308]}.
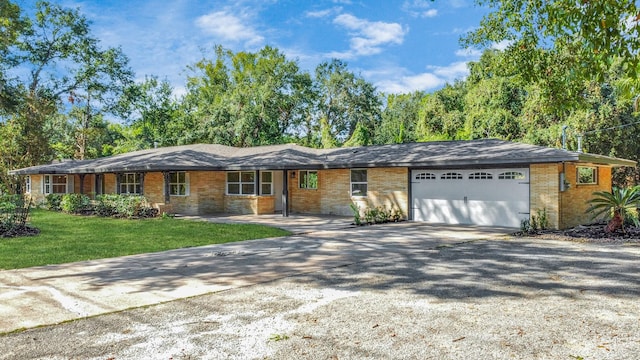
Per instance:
{"type": "Point", "coordinates": [68, 238]}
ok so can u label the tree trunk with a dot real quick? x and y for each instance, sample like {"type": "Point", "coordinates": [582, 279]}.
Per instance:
{"type": "Point", "coordinates": [615, 223]}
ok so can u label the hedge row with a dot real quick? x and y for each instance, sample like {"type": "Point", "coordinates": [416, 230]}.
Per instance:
{"type": "Point", "coordinates": [110, 205]}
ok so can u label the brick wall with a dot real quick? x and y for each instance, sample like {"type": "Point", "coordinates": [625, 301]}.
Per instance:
{"type": "Point", "coordinates": [307, 201]}
{"type": "Point", "coordinates": [544, 191]}
{"type": "Point", "coordinates": [36, 190]}
{"type": "Point", "coordinates": [574, 201]}
{"type": "Point", "coordinates": [567, 208]}
{"type": "Point", "coordinates": [386, 187]}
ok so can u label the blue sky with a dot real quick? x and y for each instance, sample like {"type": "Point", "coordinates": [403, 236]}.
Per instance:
{"type": "Point", "coordinates": [400, 46]}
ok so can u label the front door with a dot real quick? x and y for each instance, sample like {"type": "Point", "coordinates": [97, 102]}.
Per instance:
{"type": "Point", "coordinates": [277, 190]}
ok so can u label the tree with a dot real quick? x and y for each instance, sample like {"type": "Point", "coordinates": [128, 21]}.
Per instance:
{"type": "Point", "coordinates": [619, 205]}
{"type": "Point", "coordinates": [246, 99]}
{"type": "Point", "coordinates": [398, 118]}
{"type": "Point", "coordinates": [150, 109]}
{"type": "Point", "coordinates": [441, 114]}
{"type": "Point", "coordinates": [63, 61]}
{"type": "Point", "coordinates": [593, 32]}
{"type": "Point", "coordinates": [344, 100]}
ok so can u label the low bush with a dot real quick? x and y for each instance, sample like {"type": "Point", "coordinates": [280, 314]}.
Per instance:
{"type": "Point", "coordinates": [14, 213]}
{"type": "Point", "coordinates": [124, 206]}
{"type": "Point", "coordinates": [376, 215]}
{"type": "Point", "coordinates": [53, 202]}
{"type": "Point", "coordinates": [76, 204]}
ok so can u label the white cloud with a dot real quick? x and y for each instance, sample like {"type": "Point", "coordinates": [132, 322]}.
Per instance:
{"type": "Point", "coordinates": [419, 8]}
{"type": "Point", "coordinates": [398, 80]}
{"type": "Point", "coordinates": [451, 72]}
{"type": "Point", "coordinates": [229, 27]}
{"type": "Point", "coordinates": [368, 37]}
{"type": "Point", "coordinates": [502, 45]}
{"type": "Point", "coordinates": [469, 53]}
{"type": "Point", "coordinates": [323, 13]}
{"type": "Point", "coordinates": [430, 13]}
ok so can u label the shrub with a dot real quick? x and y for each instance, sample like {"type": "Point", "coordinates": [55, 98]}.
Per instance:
{"type": "Point", "coordinates": [14, 213]}
{"type": "Point", "coordinates": [356, 214]}
{"type": "Point", "coordinates": [124, 206]}
{"type": "Point", "coordinates": [53, 202]}
{"type": "Point", "coordinates": [619, 205]}
{"type": "Point", "coordinates": [75, 203]}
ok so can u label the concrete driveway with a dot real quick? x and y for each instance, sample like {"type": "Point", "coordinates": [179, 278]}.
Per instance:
{"type": "Point", "coordinates": [398, 291]}
{"type": "Point", "coordinates": [52, 294]}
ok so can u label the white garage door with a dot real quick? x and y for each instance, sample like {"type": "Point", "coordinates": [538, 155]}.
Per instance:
{"type": "Point", "coordinates": [491, 197]}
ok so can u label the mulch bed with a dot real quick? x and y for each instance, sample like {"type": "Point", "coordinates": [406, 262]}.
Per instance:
{"type": "Point", "coordinates": [23, 230]}
{"type": "Point", "coordinates": [589, 233]}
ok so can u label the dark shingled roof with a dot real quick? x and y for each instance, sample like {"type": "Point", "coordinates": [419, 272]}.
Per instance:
{"type": "Point", "coordinates": [437, 154]}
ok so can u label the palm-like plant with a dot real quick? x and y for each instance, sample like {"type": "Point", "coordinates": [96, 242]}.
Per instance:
{"type": "Point", "coordinates": [619, 205]}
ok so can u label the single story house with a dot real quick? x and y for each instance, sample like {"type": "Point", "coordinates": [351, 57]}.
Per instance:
{"type": "Point", "coordinates": [484, 182]}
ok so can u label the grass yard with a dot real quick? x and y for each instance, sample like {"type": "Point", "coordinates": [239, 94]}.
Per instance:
{"type": "Point", "coordinates": [67, 238]}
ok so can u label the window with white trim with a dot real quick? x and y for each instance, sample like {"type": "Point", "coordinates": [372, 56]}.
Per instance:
{"type": "Point", "coordinates": [451, 175]}
{"type": "Point", "coordinates": [27, 185]}
{"type": "Point", "coordinates": [587, 175]}
{"type": "Point", "coordinates": [425, 176]}
{"type": "Point", "coordinates": [241, 183]}
{"type": "Point", "coordinates": [359, 182]}
{"type": "Point", "coordinates": [308, 179]}
{"type": "Point", "coordinates": [266, 183]}
{"type": "Point", "coordinates": [178, 183]}
{"type": "Point", "coordinates": [130, 183]}
{"type": "Point", "coordinates": [511, 175]}
{"type": "Point", "coordinates": [480, 176]}
{"type": "Point", "coordinates": [55, 184]}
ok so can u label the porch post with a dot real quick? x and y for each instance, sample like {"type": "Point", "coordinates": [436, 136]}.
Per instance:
{"type": "Point", "coordinates": [142, 183]}
{"type": "Point", "coordinates": [81, 183]}
{"type": "Point", "coordinates": [167, 187]}
{"type": "Point", "coordinates": [96, 184]}
{"type": "Point", "coordinates": [118, 183]}
{"type": "Point", "coordinates": [256, 190]}
{"type": "Point", "coordinates": [285, 193]}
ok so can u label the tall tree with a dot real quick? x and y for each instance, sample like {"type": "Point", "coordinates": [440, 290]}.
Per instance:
{"type": "Point", "coordinates": [246, 99]}
{"type": "Point", "coordinates": [150, 109]}
{"type": "Point", "coordinates": [343, 101]}
{"type": "Point", "coordinates": [398, 119]}
{"type": "Point", "coordinates": [63, 62]}
{"type": "Point", "coordinates": [580, 38]}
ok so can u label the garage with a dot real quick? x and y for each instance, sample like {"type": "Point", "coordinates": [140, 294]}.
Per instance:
{"type": "Point", "coordinates": [488, 197]}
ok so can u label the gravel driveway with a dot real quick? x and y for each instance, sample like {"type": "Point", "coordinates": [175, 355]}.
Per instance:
{"type": "Point", "coordinates": [485, 299]}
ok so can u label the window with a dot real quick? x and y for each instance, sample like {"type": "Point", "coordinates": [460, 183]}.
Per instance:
{"type": "Point", "coordinates": [425, 176]}
{"type": "Point", "coordinates": [451, 175]}
{"type": "Point", "coordinates": [308, 179]}
{"type": "Point", "coordinates": [587, 175]}
{"type": "Point", "coordinates": [511, 175]}
{"type": "Point", "coordinates": [480, 176]}
{"type": "Point", "coordinates": [178, 183]}
{"type": "Point", "coordinates": [266, 183]}
{"type": "Point", "coordinates": [241, 183]}
{"type": "Point", "coordinates": [27, 185]}
{"type": "Point", "coordinates": [130, 183]}
{"type": "Point", "coordinates": [55, 184]}
{"type": "Point", "coordinates": [359, 182]}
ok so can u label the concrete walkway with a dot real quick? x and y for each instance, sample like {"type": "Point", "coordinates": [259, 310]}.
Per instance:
{"type": "Point", "coordinates": [52, 294]}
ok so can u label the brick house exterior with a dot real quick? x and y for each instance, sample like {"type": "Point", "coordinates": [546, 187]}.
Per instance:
{"type": "Point", "coordinates": [209, 179]}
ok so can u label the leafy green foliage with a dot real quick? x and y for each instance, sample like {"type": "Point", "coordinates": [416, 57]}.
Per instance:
{"type": "Point", "coordinates": [124, 206]}
{"type": "Point", "coordinates": [14, 213]}
{"type": "Point", "coordinates": [54, 202]}
{"type": "Point", "coordinates": [619, 205]}
{"type": "Point", "coordinates": [75, 203]}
